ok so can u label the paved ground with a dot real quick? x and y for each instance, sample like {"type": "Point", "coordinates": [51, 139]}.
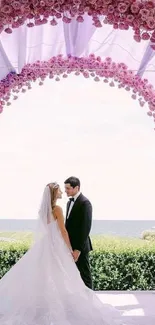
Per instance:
{"type": "Point", "coordinates": [137, 307]}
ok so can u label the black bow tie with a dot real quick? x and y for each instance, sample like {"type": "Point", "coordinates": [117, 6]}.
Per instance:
{"type": "Point", "coordinates": [71, 199]}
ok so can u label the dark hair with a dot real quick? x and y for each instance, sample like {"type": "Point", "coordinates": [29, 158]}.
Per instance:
{"type": "Point", "coordinates": [73, 181]}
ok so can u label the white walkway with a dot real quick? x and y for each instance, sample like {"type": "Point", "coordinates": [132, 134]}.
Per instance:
{"type": "Point", "coordinates": [136, 306]}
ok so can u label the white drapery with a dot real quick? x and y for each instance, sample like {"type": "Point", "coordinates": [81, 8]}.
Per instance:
{"type": "Point", "coordinates": [27, 45]}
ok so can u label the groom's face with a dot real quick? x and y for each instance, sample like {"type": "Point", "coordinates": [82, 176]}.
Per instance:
{"type": "Point", "coordinates": [71, 191]}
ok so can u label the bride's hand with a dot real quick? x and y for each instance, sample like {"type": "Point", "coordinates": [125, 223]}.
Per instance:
{"type": "Point", "coordinates": [76, 255]}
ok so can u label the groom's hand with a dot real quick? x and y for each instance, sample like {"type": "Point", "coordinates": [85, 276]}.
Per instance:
{"type": "Point", "coordinates": [76, 255]}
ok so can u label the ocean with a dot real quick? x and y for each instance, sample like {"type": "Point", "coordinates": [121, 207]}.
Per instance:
{"type": "Point", "coordinates": [121, 228]}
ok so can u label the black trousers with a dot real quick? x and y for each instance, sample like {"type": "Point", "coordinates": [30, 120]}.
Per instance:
{"type": "Point", "coordinates": [84, 268]}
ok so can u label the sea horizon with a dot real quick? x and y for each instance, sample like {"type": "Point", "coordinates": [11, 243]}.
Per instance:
{"type": "Point", "coordinates": [122, 228]}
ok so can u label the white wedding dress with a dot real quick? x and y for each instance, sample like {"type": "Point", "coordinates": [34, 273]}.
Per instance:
{"type": "Point", "coordinates": [45, 288]}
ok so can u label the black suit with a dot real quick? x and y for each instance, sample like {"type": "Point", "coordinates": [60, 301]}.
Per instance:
{"type": "Point", "coordinates": [78, 225]}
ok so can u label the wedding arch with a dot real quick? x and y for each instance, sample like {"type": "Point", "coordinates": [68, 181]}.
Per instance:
{"type": "Point", "coordinates": [112, 41]}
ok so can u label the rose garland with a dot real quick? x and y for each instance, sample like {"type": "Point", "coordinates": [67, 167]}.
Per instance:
{"type": "Point", "coordinates": [121, 14]}
{"type": "Point", "coordinates": [93, 67]}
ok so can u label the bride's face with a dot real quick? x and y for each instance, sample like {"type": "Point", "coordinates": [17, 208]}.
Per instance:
{"type": "Point", "coordinates": [59, 193]}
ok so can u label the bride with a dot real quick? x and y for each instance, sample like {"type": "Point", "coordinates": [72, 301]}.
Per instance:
{"type": "Point", "coordinates": [44, 287]}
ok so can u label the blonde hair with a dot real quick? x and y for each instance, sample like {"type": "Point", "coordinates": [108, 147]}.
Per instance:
{"type": "Point", "coordinates": [53, 191]}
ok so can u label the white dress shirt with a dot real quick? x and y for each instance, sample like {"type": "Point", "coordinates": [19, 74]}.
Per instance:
{"type": "Point", "coordinates": [72, 203]}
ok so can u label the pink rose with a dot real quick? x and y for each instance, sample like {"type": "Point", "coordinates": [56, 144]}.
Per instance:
{"type": "Point", "coordinates": [152, 108]}
{"type": "Point", "coordinates": [15, 24]}
{"type": "Point", "coordinates": [137, 38]}
{"type": "Point", "coordinates": [111, 9]}
{"type": "Point", "coordinates": [144, 12]}
{"type": "Point", "coordinates": [123, 66]}
{"type": "Point", "coordinates": [8, 20]}
{"type": "Point", "coordinates": [49, 2]}
{"type": "Point", "coordinates": [115, 25]}
{"type": "Point", "coordinates": [122, 7]}
{"type": "Point", "coordinates": [108, 59]}
{"type": "Point", "coordinates": [135, 8]}
{"type": "Point", "coordinates": [44, 21]}
{"type": "Point", "coordinates": [149, 4]}
{"type": "Point", "coordinates": [8, 30]}
{"type": "Point", "coordinates": [21, 20]}
{"type": "Point", "coordinates": [130, 18]}
{"type": "Point", "coordinates": [153, 34]}
{"type": "Point", "coordinates": [111, 84]}
{"type": "Point", "coordinates": [149, 113]}
{"type": "Point", "coordinates": [121, 26]}
{"type": "Point", "coordinates": [153, 101]}
{"type": "Point", "coordinates": [126, 26]}
{"type": "Point", "coordinates": [65, 75]}
{"type": "Point", "coordinates": [30, 16]}
{"type": "Point", "coordinates": [24, 2]}
{"type": "Point", "coordinates": [58, 15]}
{"type": "Point", "coordinates": [150, 22]}
{"type": "Point", "coordinates": [141, 103]}
{"type": "Point", "coordinates": [96, 79]}
{"type": "Point", "coordinates": [30, 24]}
{"type": "Point", "coordinates": [6, 9]}
{"type": "Point", "coordinates": [86, 74]}
{"type": "Point", "coordinates": [107, 2]}
{"type": "Point", "coordinates": [66, 20]}
{"type": "Point", "coordinates": [97, 23]}
{"type": "Point", "coordinates": [80, 19]}
{"type": "Point", "coordinates": [42, 3]}
{"type": "Point", "coordinates": [16, 5]}
{"type": "Point", "coordinates": [137, 23]}
{"type": "Point", "coordinates": [51, 76]}
{"type": "Point", "coordinates": [98, 59]}
{"type": "Point", "coordinates": [145, 36]}
{"type": "Point", "coordinates": [53, 22]}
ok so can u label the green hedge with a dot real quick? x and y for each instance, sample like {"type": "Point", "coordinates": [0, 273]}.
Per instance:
{"type": "Point", "coordinates": [148, 235]}
{"type": "Point", "coordinates": [10, 254]}
{"type": "Point", "coordinates": [117, 264]}
{"type": "Point", "coordinates": [123, 264]}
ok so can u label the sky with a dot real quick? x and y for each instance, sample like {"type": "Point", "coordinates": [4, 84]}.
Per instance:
{"type": "Point", "coordinates": [83, 128]}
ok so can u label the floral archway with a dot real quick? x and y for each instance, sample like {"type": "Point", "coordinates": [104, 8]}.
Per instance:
{"type": "Point", "coordinates": [108, 40]}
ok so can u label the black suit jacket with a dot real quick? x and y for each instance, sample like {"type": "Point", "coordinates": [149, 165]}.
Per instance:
{"type": "Point", "coordinates": [79, 224]}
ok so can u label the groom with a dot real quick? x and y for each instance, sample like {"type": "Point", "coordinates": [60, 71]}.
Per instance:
{"type": "Point", "coordinates": [78, 225]}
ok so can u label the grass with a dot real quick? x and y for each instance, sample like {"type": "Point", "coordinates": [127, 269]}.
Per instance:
{"type": "Point", "coordinates": [18, 236]}
{"type": "Point", "coordinates": [15, 239]}
{"type": "Point", "coordinates": [106, 243]}
{"type": "Point", "coordinates": [110, 243]}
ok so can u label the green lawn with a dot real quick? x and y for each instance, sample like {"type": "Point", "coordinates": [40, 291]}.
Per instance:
{"type": "Point", "coordinates": [99, 242]}
{"type": "Point", "coordinates": [110, 243]}
{"type": "Point", "coordinates": [21, 236]}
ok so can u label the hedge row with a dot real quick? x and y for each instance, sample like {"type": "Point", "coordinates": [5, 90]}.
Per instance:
{"type": "Point", "coordinates": [117, 264]}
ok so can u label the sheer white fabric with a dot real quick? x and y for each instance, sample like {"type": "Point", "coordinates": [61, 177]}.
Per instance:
{"type": "Point", "coordinates": [45, 287]}
{"type": "Point", "coordinates": [44, 215]}
{"type": "Point", "coordinates": [44, 42]}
